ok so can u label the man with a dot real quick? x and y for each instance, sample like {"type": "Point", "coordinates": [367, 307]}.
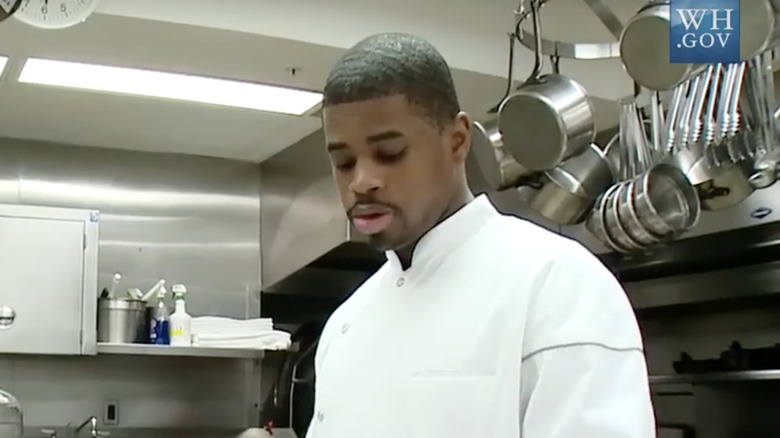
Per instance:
{"type": "Point", "coordinates": [480, 324]}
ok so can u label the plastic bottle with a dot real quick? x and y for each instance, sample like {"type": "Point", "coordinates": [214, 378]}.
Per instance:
{"type": "Point", "coordinates": [181, 322]}
{"type": "Point", "coordinates": [159, 333]}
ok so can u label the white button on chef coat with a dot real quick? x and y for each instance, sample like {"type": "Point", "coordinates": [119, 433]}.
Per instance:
{"type": "Point", "coordinates": [501, 329]}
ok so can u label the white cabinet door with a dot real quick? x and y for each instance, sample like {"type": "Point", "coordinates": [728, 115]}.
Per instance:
{"type": "Point", "coordinates": [41, 276]}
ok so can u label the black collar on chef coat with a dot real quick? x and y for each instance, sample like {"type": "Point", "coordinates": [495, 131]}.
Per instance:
{"type": "Point", "coordinates": [447, 236]}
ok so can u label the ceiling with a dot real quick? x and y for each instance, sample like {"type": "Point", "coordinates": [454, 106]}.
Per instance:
{"type": "Point", "coordinates": [259, 40]}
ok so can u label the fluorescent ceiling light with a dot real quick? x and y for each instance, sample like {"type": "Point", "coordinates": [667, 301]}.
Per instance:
{"type": "Point", "coordinates": [3, 63]}
{"type": "Point", "coordinates": [169, 85]}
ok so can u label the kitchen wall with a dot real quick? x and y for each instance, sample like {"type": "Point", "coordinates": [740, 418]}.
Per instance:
{"type": "Point", "coordinates": [187, 219]}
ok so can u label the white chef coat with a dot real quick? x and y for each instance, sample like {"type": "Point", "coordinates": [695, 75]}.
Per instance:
{"type": "Point", "coordinates": [499, 329]}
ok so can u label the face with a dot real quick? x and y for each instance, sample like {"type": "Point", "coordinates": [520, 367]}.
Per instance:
{"type": "Point", "coordinates": [397, 172]}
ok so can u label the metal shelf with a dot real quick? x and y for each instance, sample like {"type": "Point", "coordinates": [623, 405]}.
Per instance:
{"type": "Point", "coordinates": [734, 376]}
{"type": "Point", "coordinates": [166, 350]}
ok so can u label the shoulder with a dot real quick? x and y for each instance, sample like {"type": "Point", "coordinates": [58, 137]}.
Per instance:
{"type": "Point", "coordinates": [579, 301]}
{"type": "Point", "coordinates": [571, 296]}
{"type": "Point", "coordinates": [521, 241]}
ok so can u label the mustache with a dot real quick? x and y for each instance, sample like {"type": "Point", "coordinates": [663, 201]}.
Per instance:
{"type": "Point", "coordinates": [369, 205]}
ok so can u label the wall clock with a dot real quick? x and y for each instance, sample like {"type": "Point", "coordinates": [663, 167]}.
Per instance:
{"type": "Point", "coordinates": [54, 14]}
{"type": "Point", "coordinates": [8, 8]}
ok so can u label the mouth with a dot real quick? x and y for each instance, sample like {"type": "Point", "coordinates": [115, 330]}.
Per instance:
{"type": "Point", "coordinates": [372, 223]}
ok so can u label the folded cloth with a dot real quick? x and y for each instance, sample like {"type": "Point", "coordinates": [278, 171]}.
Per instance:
{"type": "Point", "coordinates": [219, 324]}
{"type": "Point", "coordinates": [271, 340]}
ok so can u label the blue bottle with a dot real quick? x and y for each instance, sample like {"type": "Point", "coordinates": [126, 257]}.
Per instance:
{"type": "Point", "coordinates": [160, 331]}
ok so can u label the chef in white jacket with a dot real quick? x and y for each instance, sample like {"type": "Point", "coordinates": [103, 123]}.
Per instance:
{"type": "Point", "coordinates": [479, 325]}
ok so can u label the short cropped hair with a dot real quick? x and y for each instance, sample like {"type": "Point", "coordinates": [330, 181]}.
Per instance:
{"type": "Point", "coordinates": [390, 64]}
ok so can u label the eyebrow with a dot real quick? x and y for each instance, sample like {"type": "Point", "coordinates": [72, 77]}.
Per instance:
{"type": "Point", "coordinates": [374, 138]}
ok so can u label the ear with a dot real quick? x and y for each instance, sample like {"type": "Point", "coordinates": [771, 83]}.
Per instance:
{"type": "Point", "coordinates": [461, 137]}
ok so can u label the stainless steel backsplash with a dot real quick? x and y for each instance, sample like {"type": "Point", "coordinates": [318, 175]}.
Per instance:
{"type": "Point", "coordinates": [188, 219]}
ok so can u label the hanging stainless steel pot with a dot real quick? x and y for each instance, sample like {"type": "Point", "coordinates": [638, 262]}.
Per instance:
{"type": "Point", "coordinates": [572, 187]}
{"type": "Point", "coordinates": [717, 187]}
{"type": "Point", "coordinates": [497, 166]}
{"type": "Point", "coordinates": [549, 118]}
{"type": "Point", "coordinates": [644, 49]}
{"type": "Point", "coordinates": [558, 202]}
{"type": "Point", "coordinates": [759, 26]}
{"type": "Point", "coordinates": [644, 43]}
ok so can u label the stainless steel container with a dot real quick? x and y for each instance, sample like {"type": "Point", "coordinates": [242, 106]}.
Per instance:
{"type": "Point", "coordinates": [549, 118]}
{"type": "Point", "coordinates": [665, 201]}
{"type": "Point", "coordinates": [546, 121]}
{"type": "Point", "coordinates": [591, 170]}
{"type": "Point", "coordinates": [499, 169]}
{"type": "Point", "coordinates": [121, 321]}
{"type": "Point", "coordinates": [644, 49]}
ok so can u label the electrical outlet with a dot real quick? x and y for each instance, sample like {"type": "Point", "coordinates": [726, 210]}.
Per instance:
{"type": "Point", "coordinates": [111, 412]}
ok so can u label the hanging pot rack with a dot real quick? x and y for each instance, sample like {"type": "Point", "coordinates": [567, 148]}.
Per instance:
{"type": "Point", "coordinates": [568, 50]}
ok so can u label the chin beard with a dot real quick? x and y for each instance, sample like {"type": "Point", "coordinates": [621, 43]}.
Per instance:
{"type": "Point", "coordinates": [380, 243]}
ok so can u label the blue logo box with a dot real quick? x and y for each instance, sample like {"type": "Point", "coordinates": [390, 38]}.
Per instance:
{"type": "Point", "coordinates": [704, 31]}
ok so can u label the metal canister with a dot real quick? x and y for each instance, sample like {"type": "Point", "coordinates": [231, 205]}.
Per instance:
{"type": "Point", "coordinates": [121, 321]}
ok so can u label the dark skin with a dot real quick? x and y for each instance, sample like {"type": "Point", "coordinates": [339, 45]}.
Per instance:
{"type": "Point", "coordinates": [387, 154]}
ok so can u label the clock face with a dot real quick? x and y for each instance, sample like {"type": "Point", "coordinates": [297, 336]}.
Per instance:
{"type": "Point", "coordinates": [55, 14]}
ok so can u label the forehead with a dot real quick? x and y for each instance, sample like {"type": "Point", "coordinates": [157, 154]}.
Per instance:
{"type": "Point", "coordinates": [349, 121]}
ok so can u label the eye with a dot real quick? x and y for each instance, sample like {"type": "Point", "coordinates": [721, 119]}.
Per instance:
{"type": "Point", "coordinates": [344, 165]}
{"type": "Point", "coordinates": [389, 157]}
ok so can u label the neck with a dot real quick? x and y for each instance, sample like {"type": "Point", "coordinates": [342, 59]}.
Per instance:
{"type": "Point", "coordinates": [462, 198]}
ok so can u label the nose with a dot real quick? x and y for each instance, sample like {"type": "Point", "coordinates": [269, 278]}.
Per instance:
{"type": "Point", "coordinates": [366, 179]}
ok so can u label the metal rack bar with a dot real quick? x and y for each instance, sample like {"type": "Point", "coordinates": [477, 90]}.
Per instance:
{"type": "Point", "coordinates": [569, 50]}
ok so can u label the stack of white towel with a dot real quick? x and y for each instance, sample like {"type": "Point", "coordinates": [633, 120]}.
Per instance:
{"type": "Point", "coordinates": [257, 333]}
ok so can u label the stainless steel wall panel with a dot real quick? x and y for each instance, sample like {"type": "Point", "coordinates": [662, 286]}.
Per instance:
{"type": "Point", "coordinates": [188, 219]}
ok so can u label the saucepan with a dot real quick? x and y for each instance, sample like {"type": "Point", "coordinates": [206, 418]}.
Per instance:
{"type": "Point", "coordinates": [718, 187]}
{"type": "Point", "coordinates": [759, 26]}
{"type": "Point", "coordinates": [499, 169]}
{"type": "Point", "coordinates": [572, 187]}
{"type": "Point", "coordinates": [644, 43]}
{"type": "Point", "coordinates": [547, 119]}
{"type": "Point", "coordinates": [665, 201]}
{"type": "Point", "coordinates": [644, 49]}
